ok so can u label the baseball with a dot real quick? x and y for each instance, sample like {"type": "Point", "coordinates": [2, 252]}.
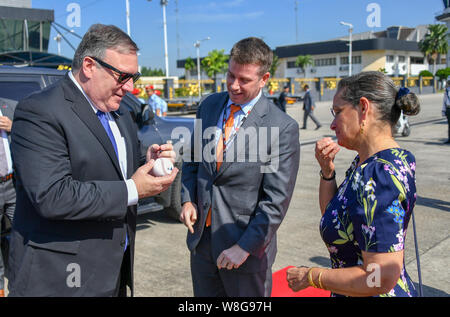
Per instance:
{"type": "Point", "coordinates": [163, 166]}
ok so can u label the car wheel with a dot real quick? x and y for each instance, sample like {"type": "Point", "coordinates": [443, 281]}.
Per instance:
{"type": "Point", "coordinates": [174, 208]}
{"type": "Point", "coordinates": [171, 198]}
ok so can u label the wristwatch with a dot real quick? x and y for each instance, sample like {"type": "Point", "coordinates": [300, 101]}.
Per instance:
{"type": "Point", "coordinates": [327, 179]}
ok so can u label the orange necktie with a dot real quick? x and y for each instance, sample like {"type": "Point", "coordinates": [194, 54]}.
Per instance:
{"type": "Point", "coordinates": [219, 151]}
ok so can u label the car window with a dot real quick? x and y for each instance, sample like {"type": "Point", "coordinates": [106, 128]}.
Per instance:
{"type": "Point", "coordinates": [53, 79]}
{"type": "Point", "coordinates": [18, 90]}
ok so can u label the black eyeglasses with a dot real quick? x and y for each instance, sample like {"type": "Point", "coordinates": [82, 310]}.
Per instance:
{"type": "Point", "coordinates": [333, 113]}
{"type": "Point", "coordinates": [123, 76]}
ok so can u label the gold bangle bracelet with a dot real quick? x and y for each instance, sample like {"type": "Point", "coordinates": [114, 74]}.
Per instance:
{"type": "Point", "coordinates": [310, 280]}
{"type": "Point", "coordinates": [320, 281]}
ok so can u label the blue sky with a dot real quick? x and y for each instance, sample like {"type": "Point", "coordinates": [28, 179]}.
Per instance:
{"type": "Point", "coordinates": [227, 21]}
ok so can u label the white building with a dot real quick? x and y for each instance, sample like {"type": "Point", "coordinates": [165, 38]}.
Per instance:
{"type": "Point", "coordinates": [395, 50]}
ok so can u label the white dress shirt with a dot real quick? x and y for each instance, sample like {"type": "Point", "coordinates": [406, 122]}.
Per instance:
{"type": "Point", "coordinates": [133, 196]}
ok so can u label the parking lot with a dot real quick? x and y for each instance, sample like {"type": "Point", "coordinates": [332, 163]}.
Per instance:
{"type": "Point", "coordinates": [162, 258]}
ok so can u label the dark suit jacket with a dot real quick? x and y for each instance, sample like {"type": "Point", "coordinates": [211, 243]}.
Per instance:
{"type": "Point", "coordinates": [308, 101]}
{"type": "Point", "coordinates": [248, 205]}
{"type": "Point", "coordinates": [71, 213]}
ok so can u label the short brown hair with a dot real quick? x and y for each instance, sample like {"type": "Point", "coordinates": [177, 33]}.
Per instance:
{"type": "Point", "coordinates": [252, 50]}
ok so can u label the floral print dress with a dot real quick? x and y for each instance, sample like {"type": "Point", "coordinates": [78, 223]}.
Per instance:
{"type": "Point", "coordinates": [371, 211]}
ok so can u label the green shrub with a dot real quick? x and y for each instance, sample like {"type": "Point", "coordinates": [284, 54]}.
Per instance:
{"type": "Point", "coordinates": [443, 73]}
{"type": "Point", "coordinates": [425, 73]}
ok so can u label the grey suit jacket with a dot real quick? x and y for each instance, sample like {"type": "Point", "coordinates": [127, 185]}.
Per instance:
{"type": "Point", "coordinates": [250, 194]}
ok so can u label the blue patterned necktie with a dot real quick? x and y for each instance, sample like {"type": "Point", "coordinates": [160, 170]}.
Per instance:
{"type": "Point", "coordinates": [104, 120]}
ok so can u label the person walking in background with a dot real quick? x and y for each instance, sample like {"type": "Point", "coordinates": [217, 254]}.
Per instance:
{"type": "Point", "coordinates": [77, 158]}
{"type": "Point", "coordinates": [365, 219]}
{"type": "Point", "coordinates": [308, 107]}
{"type": "Point", "coordinates": [446, 107]}
{"type": "Point", "coordinates": [234, 201]}
{"type": "Point", "coordinates": [282, 99]}
{"type": "Point", "coordinates": [7, 190]}
{"type": "Point", "coordinates": [158, 105]}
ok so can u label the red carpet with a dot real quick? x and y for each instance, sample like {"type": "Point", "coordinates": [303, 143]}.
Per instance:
{"type": "Point", "coordinates": [280, 287]}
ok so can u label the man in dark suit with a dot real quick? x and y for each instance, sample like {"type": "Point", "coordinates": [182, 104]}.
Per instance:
{"type": "Point", "coordinates": [308, 107]}
{"type": "Point", "coordinates": [236, 196]}
{"type": "Point", "coordinates": [7, 190]}
{"type": "Point", "coordinates": [283, 98]}
{"type": "Point", "coordinates": [77, 158]}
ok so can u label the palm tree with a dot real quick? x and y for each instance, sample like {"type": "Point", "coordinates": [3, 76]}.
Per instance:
{"type": "Point", "coordinates": [434, 42]}
{"type": "Point", "coordinates": [215, 63]}
{"type": "Point", "coordinates": [274, 66]}
{"type": "Point", "coordinates": [303, 61]}
{"type": "Point", "coordinates": [189, 64]}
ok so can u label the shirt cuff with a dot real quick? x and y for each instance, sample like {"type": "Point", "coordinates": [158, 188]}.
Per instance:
{"type": "Point", "coordinates": [133, 196]}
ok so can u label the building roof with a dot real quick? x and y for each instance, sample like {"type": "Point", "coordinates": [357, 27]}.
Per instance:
{"type": "Point", "coordinates": [37, 15]}
{"type": "Point", "coordinates": [340, 46]}
{"type": "Point", "coordinates": [30, 58]}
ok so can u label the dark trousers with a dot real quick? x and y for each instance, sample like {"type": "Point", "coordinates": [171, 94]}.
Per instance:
{"type": "Point", "coordinates": [7, 208]}
{"type": "Point", "coordinates": [310, 113]}
{"type": "Point", "coordinates": [121, 288]}
{"type": "Point", "coordinates": [209, 281]}
{"type": "Point", "coordinates": [447, 113]}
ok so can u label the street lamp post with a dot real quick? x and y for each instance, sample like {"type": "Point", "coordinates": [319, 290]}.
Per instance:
{"type": "Point", "coordinates": [166, 54]}
{"type": "Point", "coordinates": [350, 30]}
{"type": "Point", "coordinates": [127, 3]}
{"type": "Point", "coordinates": [197, 46]}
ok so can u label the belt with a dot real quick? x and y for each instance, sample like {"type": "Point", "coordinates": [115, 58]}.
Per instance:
{"type": "Point", "coordinates": [6, 178]}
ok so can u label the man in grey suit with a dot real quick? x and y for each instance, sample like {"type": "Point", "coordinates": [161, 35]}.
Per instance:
{"type": "Point", "coordinates": [7, 190]}
{"type": "Point", "coordinates": [236, 195]}
{"type": "Point", "coordinates": [308, 107]}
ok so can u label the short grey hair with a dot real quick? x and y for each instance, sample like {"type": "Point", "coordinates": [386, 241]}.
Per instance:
{"type": "Point", "coordinates": [98, 39]}
{"type": "Point", "coordinates": [381, 90]}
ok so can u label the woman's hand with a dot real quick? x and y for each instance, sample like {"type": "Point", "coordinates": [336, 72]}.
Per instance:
{"type": "Point", "coordinates": [326, 150]}
{"type": "Point", "coordinates": [297, 278]}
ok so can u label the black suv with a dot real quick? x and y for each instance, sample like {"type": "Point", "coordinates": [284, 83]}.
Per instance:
{"type": "Point", "coordinates": [19, 82]}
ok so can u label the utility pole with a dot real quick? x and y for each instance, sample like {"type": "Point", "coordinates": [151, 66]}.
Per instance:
{"type": "Point", "coordinates": [197, 45]}
{"type": "Point", "coordinates": [296, 21]}
{"type": "Point", "coordinates": [166, 54]}
{"type": "Point", "coordinates": [350, 30]}
{"type": "Point", "coordinates": [178, 30]}
{"type": "Point", "coordinates": [128, 16]}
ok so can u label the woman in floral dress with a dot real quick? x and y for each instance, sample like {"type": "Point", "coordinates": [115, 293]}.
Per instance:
{"type": "Point", "coordinates": [364, 221]}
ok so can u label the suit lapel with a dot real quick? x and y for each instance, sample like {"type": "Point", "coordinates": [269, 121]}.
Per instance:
{"type": "Point", "coordinates": [254, 119]}
{"type": "Point", "coordinates": [84, 111]}
{"type": "Point", "coordinates": [215, 110]}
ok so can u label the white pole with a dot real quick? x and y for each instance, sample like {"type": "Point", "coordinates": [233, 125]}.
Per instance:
{"type": "Point", "coordinates": [197, 45]}
{"type": "Point", "coordinates": [350, 30]}
{"type": "Point", "coordinates": [166, 54]}
{"type": "Point", "coordinates": [350, 53]}
{"type": "Point", "coordinates": [128, 16]}
{"type": "Point", "coordinates": [57, 38]}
